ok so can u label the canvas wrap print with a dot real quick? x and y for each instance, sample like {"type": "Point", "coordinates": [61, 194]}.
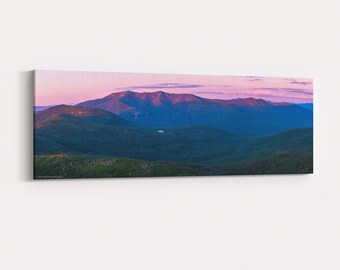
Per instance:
{"type": "Point", "coordinates": [113, 125]}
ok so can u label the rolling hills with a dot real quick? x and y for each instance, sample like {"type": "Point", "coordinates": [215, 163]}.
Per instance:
{"type": "Point", "coordinates": [92, 132]}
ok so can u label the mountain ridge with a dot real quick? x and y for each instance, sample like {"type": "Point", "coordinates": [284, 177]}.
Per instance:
{"type": "Point", "coordinates": [247, 116]}
{"type": "Point", "coordinates": [185, 97]}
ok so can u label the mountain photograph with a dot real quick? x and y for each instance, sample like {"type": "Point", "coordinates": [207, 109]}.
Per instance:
{"type": "Point", "coordinates": [117, 125]}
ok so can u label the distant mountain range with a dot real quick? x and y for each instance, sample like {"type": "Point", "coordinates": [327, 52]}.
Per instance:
{"type": "Point", "coordinates": [87, 131]}
{"type": "Point", "coordinates": [247, 116]}
{"type": "Point", "coordinates": [41, 108]}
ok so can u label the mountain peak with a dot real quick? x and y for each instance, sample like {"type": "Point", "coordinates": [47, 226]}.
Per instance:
{"type": "Point", "coordinates": [61, 111]}
{"type": "Point", "coordinates": [121, 94]}
{"type": "Point", "coordinates": [156, 98]}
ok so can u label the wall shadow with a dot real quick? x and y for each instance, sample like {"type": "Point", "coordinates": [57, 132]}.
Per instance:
{"type": "Point", "coordinates": [26, 89]}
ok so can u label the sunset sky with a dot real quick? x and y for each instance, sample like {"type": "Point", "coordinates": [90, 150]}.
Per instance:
{"type": "Point", "coordinates": [71, 87]}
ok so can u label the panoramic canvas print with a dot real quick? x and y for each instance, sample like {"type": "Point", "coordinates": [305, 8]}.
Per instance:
{"type": "Point", "coordinates": [114, 125]}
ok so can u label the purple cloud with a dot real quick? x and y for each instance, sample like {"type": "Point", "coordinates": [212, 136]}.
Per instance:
{"type": "Point", "coordinates": [164, 86]}
{"type": "Point", "coordinates": [208, 92]}
{"type": "Point", "coordinates": [291, 90]}
{"type": "Point", "coordinates": [253, 79]}
{"type": "Point", "coordinates": [301, 83]}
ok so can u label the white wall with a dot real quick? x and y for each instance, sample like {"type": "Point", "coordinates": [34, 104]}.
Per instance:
{"type": "Point", "coordinates": [261, 222]}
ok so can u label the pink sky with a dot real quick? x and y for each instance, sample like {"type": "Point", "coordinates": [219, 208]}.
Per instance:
{"type": "Point", "coordinates": [71, 87]}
